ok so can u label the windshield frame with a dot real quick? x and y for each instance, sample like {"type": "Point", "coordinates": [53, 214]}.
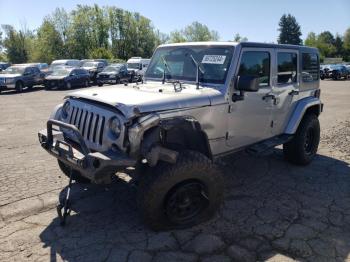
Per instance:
{"type": "Point", "coordinates": [202, 80]}
{"type": "Point", "coordinates": [134, 63]}
{"type": "Point", "coordinates": [90, 64]}
{"type": "Point", "coordinates": [107, 69]}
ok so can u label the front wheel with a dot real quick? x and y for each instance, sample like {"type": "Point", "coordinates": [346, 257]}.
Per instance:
{"type": "Point", "coordinates": [303, 146]}
{"type": "Point", "coordinates": [19, 86]}
{"type": "Point", "coordinates": [180, 195]}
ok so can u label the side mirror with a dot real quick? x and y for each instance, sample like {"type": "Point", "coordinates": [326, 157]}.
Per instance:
{"type": "Point", "coordinates": [248, 83]}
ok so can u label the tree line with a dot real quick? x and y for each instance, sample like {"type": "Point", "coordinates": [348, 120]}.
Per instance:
{"type": "Point", "coordinates": [92, 32]}
{"type": "Point", "coordinates": [328, 44]}
{"type": "Point", "coordinates": [113, 33]}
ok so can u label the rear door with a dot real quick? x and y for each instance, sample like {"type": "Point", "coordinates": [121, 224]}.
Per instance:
{"type": "Point", "coordinates": [285, 88]}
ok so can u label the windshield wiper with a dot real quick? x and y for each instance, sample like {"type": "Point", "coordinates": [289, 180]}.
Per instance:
{"type": "Point", "coordinates": [199, 69]}
{"type": "Point", "coordinates": [165, 66]}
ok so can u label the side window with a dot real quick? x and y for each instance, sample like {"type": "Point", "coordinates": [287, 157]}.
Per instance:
{"type": "Point", "coordinates": [256, 63]}
{"type": "Point", "coordinates": [310, 67]}
{"type": "Point", "coordinates": [286, 68]}
{"type": "Point", "coordinates": [36, 70]}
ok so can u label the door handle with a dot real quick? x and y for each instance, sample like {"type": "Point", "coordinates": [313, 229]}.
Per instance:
{"type": "Point", "coordinates": [293, 93]}
{"type": "Point", "coordinates": [273, 97]}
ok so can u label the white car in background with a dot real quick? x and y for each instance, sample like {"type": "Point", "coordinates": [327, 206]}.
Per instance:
{"type": "Point", "coordinates": [139, 66]}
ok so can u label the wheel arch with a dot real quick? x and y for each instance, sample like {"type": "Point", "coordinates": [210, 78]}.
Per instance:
{"type": "Point", "coordinates": [178, 133]}
{"type": "Point", "coordinates": [305, 106]}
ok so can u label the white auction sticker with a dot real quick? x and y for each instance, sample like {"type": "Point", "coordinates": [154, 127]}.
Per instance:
{"type": "Point", "coordinates": [214, 59]}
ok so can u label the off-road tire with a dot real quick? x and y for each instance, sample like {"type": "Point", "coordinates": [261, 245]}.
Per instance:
{"type": "Point", "coordinates": [75, 175]}
{"type": "Point", "coordinates": [302, 148]}
{"type": "Point", "coordinates": [157, 187]}
{"type": "Point", "coordinates": [19, 86]}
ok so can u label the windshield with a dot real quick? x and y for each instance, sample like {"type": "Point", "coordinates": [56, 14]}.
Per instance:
{"type": "Point", "coordinates": [14, 70]}
{"type": "Point", "coordinates": [134, 65]}
{"type": "Point", "coordinates": [90, 64]}
{"type": "Point", "coordinates": [111, 69]}
{"type": "Point", "coordinates": [60, 72]}
{"type": "Point", "coordinates": [214, 62]}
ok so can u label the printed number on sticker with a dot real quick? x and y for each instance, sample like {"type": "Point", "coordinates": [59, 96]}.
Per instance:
{"type": "Point", "coordinates": [214, 59]}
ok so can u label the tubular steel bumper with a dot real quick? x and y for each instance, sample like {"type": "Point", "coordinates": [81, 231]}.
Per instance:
{"type": "Point", "coordinates": [74, 153]}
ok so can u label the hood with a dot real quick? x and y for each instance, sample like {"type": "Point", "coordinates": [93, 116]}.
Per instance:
{"type": "Point", "coordinates": [144, 98]}
{"type": "Point", "coordinates": [51, 77]}
{"type": "Point", "coordinates": [9, 75]}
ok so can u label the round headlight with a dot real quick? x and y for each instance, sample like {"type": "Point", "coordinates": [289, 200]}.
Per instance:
{"type": "Point", "coordinates": [65, 109]}
{"type": "Point", "coordinates": [115, 126]}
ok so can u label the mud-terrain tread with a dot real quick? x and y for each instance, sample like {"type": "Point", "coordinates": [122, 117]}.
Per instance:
{"type": "Point", "coordinates": [294, 149]}
{"type": "Point", "coordinates": [154, 186]}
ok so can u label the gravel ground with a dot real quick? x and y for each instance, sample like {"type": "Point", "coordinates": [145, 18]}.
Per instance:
{"type": "Point", "coordinates": [273, 211]}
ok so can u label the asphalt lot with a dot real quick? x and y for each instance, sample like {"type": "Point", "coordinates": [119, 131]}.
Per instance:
{"type": "Point", "coordinates": [273, 210]}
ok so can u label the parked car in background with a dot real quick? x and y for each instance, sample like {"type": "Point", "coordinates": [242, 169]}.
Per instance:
{"type": "Point", "coordinates": [93, 68]}
{"type": "Point", "coordinates": [104, 61]}
{"type": "Point", "coordinates": [4, 65]}
{"type": "Point", "coordinates": [19, 77]}
{"type": "Point", "coordinates": [43, 67]}
{"type": "Point", "coordinates": [138, 66]}
{"type": "Point", "coordinates": [337, 72]}
{"type": "Point", "coordinates": [114, 74]}
{"type": "Point", "coordinates": [62, 63]}
{"type": "Point", "coordinates": [67, 77]}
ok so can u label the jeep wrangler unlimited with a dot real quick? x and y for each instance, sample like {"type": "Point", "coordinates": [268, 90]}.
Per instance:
{"type": "Point", "coordinates": [198, 102]}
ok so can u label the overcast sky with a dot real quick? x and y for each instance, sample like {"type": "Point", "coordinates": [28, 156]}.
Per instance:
{"type": "Point", "coordinates": [257, 20]}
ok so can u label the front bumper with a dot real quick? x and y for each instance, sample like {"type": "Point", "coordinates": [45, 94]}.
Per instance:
{"type": "Point", "coordinates": [105, 80]}
{"type": "Point", "coordinates": [92, 165]}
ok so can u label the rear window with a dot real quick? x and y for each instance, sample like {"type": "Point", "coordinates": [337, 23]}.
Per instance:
{"type": "Point", "coordinates": [310, 67]}
{"type": "Point", "coordinates": [287, 68]}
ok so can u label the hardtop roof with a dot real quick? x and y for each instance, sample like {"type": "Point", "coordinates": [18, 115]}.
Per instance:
{"type": "Point", "coordinates": [243, 44]}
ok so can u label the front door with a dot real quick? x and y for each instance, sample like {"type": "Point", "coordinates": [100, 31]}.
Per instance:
{"type": "Point", "coordinates": [249, 120]}
{"type": "Point", "coordinates": [285, 88]}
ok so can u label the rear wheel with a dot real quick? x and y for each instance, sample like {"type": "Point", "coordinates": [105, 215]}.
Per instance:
{"type": "Point", "coordinates": [19, 86]}
{"type": "Point", "coordinates": [180, 195]}
{"type": "Point", "coordinates": [75, 174]}
{"type": "Point", "coordinates": [303, 147]}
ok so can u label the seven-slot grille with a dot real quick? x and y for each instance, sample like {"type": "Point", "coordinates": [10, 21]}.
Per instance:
{"type": "Point", "coordinates": [90, 124]}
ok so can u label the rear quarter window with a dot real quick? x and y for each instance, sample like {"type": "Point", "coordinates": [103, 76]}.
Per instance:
{"type": "Point", "coordinates": [310, 67]}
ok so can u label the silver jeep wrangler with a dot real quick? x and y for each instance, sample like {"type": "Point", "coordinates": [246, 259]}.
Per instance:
{"type": "Point", "coordinates": [198, 102]}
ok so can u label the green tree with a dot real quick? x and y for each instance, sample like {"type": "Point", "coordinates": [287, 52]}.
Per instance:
{"type": "Point", "coordinates": [177, 37]}
{"type": "Point", "coordinates": [15, 45]}
{"type": "Point", "coordinates": [338, 44]}
{"type": "Point", "coordinates": [48, 43]}
{"type": "Point", "coordinates": [101, 52]}
{"type": "Point", "coordinates": [199, 32]}
{"type": "Point", "coordinates": [311, 39]}
{"type": "Point", "coordinates": [194, 32]}
{"type": "Point", "coordinates": [238, 38]}
{"type": "Point", "coordinates": [346, 45]}
{"type": "Point", "coordinates": [289, 29]}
